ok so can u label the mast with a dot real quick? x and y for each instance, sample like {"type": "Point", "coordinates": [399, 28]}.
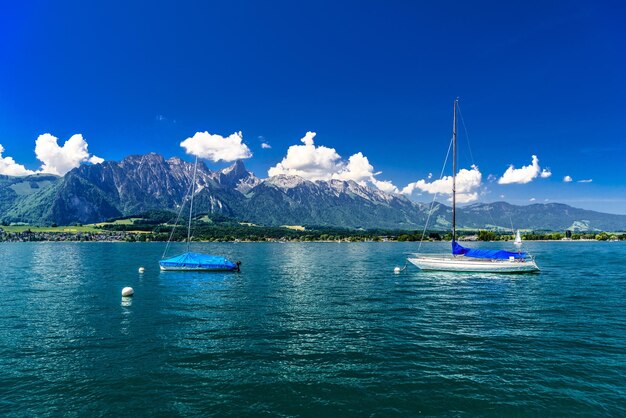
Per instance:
{"type": "Point", "coordinates": [456, 101]}
{"type": "Point", "coordinates": [193, 190]}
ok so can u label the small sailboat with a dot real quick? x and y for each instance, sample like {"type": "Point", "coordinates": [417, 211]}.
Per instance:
{"type": "Point", "coordinates": [190, 261]}
{"type": "Point", "coordinates": [198, 262]}
{"type": "Point", "coordinates": [473, 260]}
{"type": "Point", "coordinates": [518, 239]}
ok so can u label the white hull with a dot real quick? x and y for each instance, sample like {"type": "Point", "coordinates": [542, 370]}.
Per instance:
{"type": "Point", "coordinates": [473, 265]}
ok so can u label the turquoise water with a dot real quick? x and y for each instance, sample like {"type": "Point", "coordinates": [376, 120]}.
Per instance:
{"type": "Point", "coordinates": [311, 329]}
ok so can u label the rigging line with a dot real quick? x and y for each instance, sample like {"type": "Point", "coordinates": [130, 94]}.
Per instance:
{"type": "Point", "coordinates": [514, 234]}
{"type": "Point", "coordinates": [193, 182]}
{"type": "Point", "coordinates": [511, 220]}
{"type": "Point", "coordinates": [169, 240]}
{"type": "Point", "coordinates": [466, 134]}
{"type": "Point", "coordinates": [430, 211]}
{"type": "Point", "coordinates": [469, 147]}
{"type": "Point", "coordinates": [180, 211]}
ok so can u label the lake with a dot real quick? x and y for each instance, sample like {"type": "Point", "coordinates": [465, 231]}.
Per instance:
{"type": "Point", "coordinates": [310, 329]}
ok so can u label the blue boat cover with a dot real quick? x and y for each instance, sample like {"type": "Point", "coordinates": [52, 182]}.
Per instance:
{"type": "Point", "coordinates": [199, 261]}
{"type": "Point", "coordinates": [493, 254]}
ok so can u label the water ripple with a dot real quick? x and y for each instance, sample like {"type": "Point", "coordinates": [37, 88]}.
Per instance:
{"type": "Point", "coordinates": [309, 329]}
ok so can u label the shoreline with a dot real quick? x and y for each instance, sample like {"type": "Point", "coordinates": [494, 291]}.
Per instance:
{"type": "Point", "coordinates": [271, 235]}
{"type": "Point", "coordinates": [272, 241]}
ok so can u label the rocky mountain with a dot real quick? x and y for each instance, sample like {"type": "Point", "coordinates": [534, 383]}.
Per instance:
{"type": "Point", "coordinates": [94, 193]}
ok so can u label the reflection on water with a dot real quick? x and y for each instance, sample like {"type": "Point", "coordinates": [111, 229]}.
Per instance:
{"type": "Point", "coordinates": [127, 301]}
{"type": "Point", "coordinates": [309, 329]}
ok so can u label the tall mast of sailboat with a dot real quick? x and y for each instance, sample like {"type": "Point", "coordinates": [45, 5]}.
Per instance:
{"type": "Point", "coordinates": [454, 173]}
{"type": "Point", "coordinates": [193, 191]}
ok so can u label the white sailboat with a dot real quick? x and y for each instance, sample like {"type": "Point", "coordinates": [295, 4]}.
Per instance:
{"type": "Point", "coordinates": [473, 260]}
{"type": "Point", "coordinates": [518, 239]}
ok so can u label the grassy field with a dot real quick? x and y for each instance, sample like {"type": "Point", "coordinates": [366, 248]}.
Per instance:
{"type": "Point", "coordinates": [294, 227]}
{"type": "Point", "coordinates": [68, 229]}
{"type": "Point", "coordinates": [247, 224]}
{"type": "Point", "coordinates": [128, 221]}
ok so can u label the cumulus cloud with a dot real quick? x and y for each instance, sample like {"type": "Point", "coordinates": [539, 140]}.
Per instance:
{"type": "Point", "coordinates": [532, 199]}
{"type": "Point", "coordinates": [545, 173]}
{"type": "Point", "coordinates": [308, 161]}
{"type": "Point", "coordinates": [95, 160]}
{"type": "Point", "coordinates": [361, 171]}
{"type": "Point", "coordinates": [567, 179]}
{"type": "Point", "coordinates": [522, 175]}
{"type": "Point", "coordinates": [58, 159]}
{"type": "Point", "coordinates": [322, 163]}
{"type": "Point", "coordinates": [358, 169]}
{"type": "Point", "coordinates": [386, 186]}
{"type": "Point", "coordinates": [217, 148]}
{"type": "Point", "coordinates": [585, 181]}
{"type": "Point", "coordinates": [9, 167]}
{"type": "Point", "coordinates": [467, 184]}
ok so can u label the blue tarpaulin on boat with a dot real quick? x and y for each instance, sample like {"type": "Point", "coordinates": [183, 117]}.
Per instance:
{"type": "Point", "coordinates": [492, 254]}
{"type": "Point", "coordinates": [198, 261]}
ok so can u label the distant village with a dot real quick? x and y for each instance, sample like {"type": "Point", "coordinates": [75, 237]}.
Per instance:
{"type": "Point", "coordinates": [29, 235]}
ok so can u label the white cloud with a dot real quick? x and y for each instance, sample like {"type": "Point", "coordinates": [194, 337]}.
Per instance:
{"type": "Point", "coordinates": [545, 173]}
{"type": "Point", "coordinates": [61, 159]}
{"type": "Point", "coordinates": [322, 163]}
{"type": "Point", "coordinates": [532, 199]}
{"type": "Point", "coordinates": [386, 186]}
{"type": "Point", "coordinates": [585, 181]}
{"type": "Point", "coordinates": [308, 161]}
{"type": "Point", "coordinates": [217, 148]}
{"type": "Point", "coordinates": [467, 182]}
{"type": "Point", "coordinates": [9, 167]}
{"type": "Point", "coordinates": [523, 175]}
{"type": "Point", "coordinates": [358, 169]}
{"type": "Point", "coordinates": [265, 145]}
{"type": "Point", "coordinates": [501, 196]}
{"type": "Point", "coordinates": [361, 171]}
{"type": "Point", "coordinates": [95, 160]}
{"type": "Point", "coordinates": [491, 178]}
{"type": "Point", "coordinates": [567, 179]}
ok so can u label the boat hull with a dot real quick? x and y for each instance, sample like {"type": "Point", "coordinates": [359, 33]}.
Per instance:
{"type": "Point", "coordinates": [165, 268]}
{"type": "Point", "coordinates": [469, 265]}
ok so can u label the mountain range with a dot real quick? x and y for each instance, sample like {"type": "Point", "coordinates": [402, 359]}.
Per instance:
{"type": "Point", "coordinates": [95, 193]}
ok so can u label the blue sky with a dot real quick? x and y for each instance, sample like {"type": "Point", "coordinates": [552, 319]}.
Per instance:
{"type": "Point", "coordinates": [533, 78]}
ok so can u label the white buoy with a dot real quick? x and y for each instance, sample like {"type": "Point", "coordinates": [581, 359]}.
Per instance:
{"type": "Point", "coordinates": [397, 270]}
{"type": "Point", "coordinates": [128, 291]}
{"type": "Point", "coordinates": [141, 269]}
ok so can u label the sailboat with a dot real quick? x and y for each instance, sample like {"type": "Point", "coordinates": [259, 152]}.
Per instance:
{"type": "Point", "coordinates": [518, 239]}
{"type": "Point", "coordinates": [189, 261]}
{"type": "Point", "coordinates": [468, 259]}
